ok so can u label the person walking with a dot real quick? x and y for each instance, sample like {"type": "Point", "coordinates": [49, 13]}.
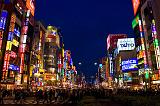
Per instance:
{"type": "Point", "coordinates": [50, 95]}
{"type": "Point", "coordinates": [56, 95]}
{"type": "Point", "coordinates": [46, 95]}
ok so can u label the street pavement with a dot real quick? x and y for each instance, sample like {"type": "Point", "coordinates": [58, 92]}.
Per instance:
{"type": "Point", "coordinates": [85, 101]}
{"type": "Point", "coordinates": [92, 101]}
{"type": "Point", "coordinates": [29, 100]}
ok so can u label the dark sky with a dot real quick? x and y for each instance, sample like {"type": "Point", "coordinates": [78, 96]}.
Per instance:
{"type": "Point", "coordinates": [85, 25]}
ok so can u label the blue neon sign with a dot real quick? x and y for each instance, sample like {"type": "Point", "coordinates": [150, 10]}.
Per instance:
{"type": "Point", "coordinates": [13, 67]}
{"type": "Point", "coordinates": [10, 36]}
{"type": "Point", "coordinates": [3, 19]}
{"type": "Point", "coordinates": [130, 64]}
{"type": "Point", "coordinates": [17, 32]}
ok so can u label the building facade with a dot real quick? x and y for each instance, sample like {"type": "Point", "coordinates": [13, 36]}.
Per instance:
{"type": "Point", "coordinates": [17, 21]}
{"type": "Point", "coordinates": [146, 28]}
{"type": "Point", "coordinates": [37, 56]}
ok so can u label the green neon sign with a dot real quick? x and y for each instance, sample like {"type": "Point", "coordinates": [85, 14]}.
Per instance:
{"type": "Point", "coordinates": [147, 75]}
{"type": "Point", "coordinates": [135, 21]}
{"type": "Point", "coordinates": [156, 42]}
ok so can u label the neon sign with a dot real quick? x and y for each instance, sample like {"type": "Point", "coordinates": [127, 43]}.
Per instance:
{"type": "Point", "coordinates": [15, 43]}
{"type": "Point", "coordinates": [9, 45]}
{"type": "Point", "coordinates": [135, 22]}
{"type": "Point", "coordinates": [126, 44]}
{"type": "Point", "coordinates": [130, 64]}
{"type": "Point", "coordinates": [3, 19]}
{"type": "Point", "coordinates": [13, 67]}
{"type": "Point", "coordinates": [136, 4]}
{"type": "Point", "coordinates": [10, 36]}
{"type": "Point", "coordinates": [13, 54]}
{"type": "Point", "coordinates": [17, 32]}
{"type": "Point", "coordinates": [30, 6]}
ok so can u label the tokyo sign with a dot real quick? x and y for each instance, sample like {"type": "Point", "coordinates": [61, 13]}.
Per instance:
{"type": "Point", "coordinates": [126, 44]}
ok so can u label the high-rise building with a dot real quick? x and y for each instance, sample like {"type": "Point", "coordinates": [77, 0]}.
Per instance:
{"type": "Point", "coordinates": [37, 59]}
{"type": "Point", "coordinates": [146, 28]}
{"type": "Point", "coordinates": [51, 51]}
{"type": "Point", "coordinates": [17, 21]}
{"type": "Point", "coordinates": [111, 46]}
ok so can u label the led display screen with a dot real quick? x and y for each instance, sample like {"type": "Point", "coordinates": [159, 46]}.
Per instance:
{"type": "Point", "coordinates": [127, 77]}
{"type": "Point", "coordinates": [130, 64]}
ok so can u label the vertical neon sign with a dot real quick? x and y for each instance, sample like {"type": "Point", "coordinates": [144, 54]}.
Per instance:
{"type": "Point", "coordinates": [142, 42]}
{"type": "Point", "coordinates": [156, 44]}
{"type": "Point", "coordinates": [23, 41]}
{"type": "Point", "coordinates": [2, 25]}
{"type": "Point", "coordinates": [9, 46]}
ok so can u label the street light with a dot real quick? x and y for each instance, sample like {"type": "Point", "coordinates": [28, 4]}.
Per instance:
{"type": "Point", "coordinates": [79, 63]}
{"type": "Point", "coordinates": [95, 63]}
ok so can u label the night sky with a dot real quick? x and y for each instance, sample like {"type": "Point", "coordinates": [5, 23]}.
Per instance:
{"type": "Point", "coordinates": [85, 25]}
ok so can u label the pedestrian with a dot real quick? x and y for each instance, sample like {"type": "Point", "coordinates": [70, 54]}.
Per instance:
{"type": "Point", "coordinates": [21, 95]}
{"type": "Point", "coordinates": [45, 96]}
{"type": "Point", "coordinates": [50, 95]}
{"type": "Point", "coordinates": [56, 95]}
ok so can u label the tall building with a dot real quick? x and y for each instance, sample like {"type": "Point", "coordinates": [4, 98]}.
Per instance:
{"type": "Point", "coordinates": [37, 56]}
{"type": "Point", "coordinates": [70, 72]}
{"type": "Point", "coordinates": [111, 47]}
{"type": "Point", "coordinates": [51, 51]}
{"type": "Point", "coordinates": [146, 28]}
{"type": "Point", "coordinates": [17, 21]}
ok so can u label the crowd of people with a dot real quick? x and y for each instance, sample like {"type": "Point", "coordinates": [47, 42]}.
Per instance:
{"type": "Point", "coordinates": [19, 96]}
{"type": "Point", "coordinates": [62, 96]}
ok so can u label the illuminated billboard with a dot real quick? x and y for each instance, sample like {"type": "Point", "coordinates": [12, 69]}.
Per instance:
{"type": "Point", "coordinates": [30, 6]}
{"type": "Point", "coordinates": [136, 4]}
{"type": "Point", "coordinates": [112, 40]}
{"type": "Point", "coordinates": [13, 67]}
{"type": "Point", "coordinates": [135, 21]}
{"type": "Point", "coordinates": [130, 64]}
{"type": "Point", "coordinates": [126, 44]}
{"type": "Point", "coordinates": [15, 42]}
{"type": "Point", "coordinates": [127, 77]}
{"type": "Point", "coordinates": [17, 32]}
{"type": "Point", "coordinates": [9, 45]}
{"type": "Point", "coordinates": [13, 54]}
{"type": "Point", "coordinates": [3, 19]}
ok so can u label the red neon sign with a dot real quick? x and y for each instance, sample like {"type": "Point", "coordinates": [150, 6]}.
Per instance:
{"type": "Point", "coordinates": [13, 54]}
{"type": "Point", "coordinates": [136, 4]}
